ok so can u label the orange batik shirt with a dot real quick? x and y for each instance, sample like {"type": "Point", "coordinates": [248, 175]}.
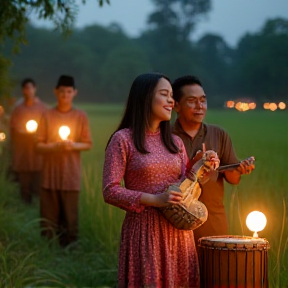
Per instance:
{"type": "Point", "coordinates": [25, 157]}
{"type": "Point", "coordinates": [62, 169]}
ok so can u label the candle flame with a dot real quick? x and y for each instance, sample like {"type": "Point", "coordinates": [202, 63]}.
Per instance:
{"type": "Point", "coordinates": [64, 132]}
{"type": "Point", "coordinates": [31, 126]}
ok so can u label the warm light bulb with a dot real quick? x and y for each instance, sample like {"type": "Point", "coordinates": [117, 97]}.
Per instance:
{"type": "Point", "coordinates": [2, 136]}
{"type": "Point", "coordinates": [273, 106]}
{"type": "Point", "coordinates": [256, 221]}
{"type": "Point", "coordinates": [64, 132]}
{"type": "Point", "coordinates": [31, 126]}
{"type": "Point", "coordinates": [282, 105]}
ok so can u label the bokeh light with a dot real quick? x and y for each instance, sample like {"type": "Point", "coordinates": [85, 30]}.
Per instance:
{"type": "Point", "coordinates": [273, 106]}
{"type": "Point", "coordinates": [2, 136]}
{"type": "Point", "coordinates": [252, 105]}
{"type": "Point", "coordinates": [282, 106]}
{"type": "Point", "coordinates": [230, 104]}
{"type": "Point", "coordinates": [242, 106]}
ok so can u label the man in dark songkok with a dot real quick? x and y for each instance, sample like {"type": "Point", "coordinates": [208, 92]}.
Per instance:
{"type": "Point", "coordinates": [61, 174]}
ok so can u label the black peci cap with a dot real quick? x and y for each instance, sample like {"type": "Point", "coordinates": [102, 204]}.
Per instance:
{"type": "Point", "coordinates": [65, 80]}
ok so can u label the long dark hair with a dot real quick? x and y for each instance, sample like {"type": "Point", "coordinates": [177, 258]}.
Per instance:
{"type": "Point", "coordinates": [138, 111]}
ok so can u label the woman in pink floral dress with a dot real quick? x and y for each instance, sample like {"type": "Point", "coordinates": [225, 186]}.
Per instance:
{"type": "Point", "coordinates": [144, 153]}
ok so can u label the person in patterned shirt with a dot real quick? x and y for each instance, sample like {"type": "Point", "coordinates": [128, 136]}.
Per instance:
{"type": "Point", "coordinates": [61, 173]}
{"type": "Point", "coordinates": [143, 152]}
{"type": "Point", "coordinates": [26, 163]}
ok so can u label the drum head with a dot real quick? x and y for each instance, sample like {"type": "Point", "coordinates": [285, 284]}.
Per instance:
{"type": "Point", "coordinates": [234, 242]}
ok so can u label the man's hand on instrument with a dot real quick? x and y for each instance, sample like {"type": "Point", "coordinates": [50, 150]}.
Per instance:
{"type": "Point", "coordinates": [246, 166]}
{"type": "Point", "coordinates": [208, 175]}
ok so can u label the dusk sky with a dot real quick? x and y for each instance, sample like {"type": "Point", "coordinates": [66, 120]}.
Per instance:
{"type": "Point", "coordinates": [229, 18]}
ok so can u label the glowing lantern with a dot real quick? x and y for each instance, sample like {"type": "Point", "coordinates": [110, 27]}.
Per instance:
{"type": "Point", "coordinates": [252, 105]}
{"type": "Point", "coordinates": [282, 105]}
{"type": "Point", "coordinates": [31, 126]}
{"type": "Point", "coordinates": [273, 106]}
{"type": "Point", "coordinates": [256, 221]}
{"type": "Point", "coordinates": [64, 132]}
{"type": "Point", "coordinates": [242, 106]}
{"type": "Point", "coordinates": [230, 104]}
{"type": "Point", "coordinates": [2, 136]}
{"type": "Point", "coordinates": [266, 106]}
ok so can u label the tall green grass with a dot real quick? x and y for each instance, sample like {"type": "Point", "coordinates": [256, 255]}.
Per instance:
{"type": "Point", "coordinates": [93, 262]}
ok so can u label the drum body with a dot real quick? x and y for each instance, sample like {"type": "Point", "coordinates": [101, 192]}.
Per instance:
{"type": "Point", "coordinates": [233, 261]}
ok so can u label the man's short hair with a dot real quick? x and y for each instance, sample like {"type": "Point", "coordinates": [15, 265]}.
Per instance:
{"type": "Point", "coordinates": [183, 81]}
{"type": "Point", "coordinates": [26, 81]}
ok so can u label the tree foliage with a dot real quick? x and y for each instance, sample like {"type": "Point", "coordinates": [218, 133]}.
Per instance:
{"type": "Point", "coordinates": [14, 15]}
{"type": "Point", "coordinates": [104, 60]}
{"type": "Point", "coordinates": [180, 14]}
{"type": "Point", "coordinates": [261, 61]}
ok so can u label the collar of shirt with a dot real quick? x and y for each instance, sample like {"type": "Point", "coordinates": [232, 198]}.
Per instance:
{"type": "Point", "coordinates": [179, 130]}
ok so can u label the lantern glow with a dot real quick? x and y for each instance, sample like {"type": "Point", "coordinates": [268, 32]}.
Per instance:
{"type": "Point", "coordinates": [230, 104]}
{"type": "Point", "coordinates": [31, 126]}
{"type": "Point", "coordinates": [256, 221]}
{"type": "Point", "coordinates": [64, 132]}
{"type": "Point", "coordinates": [273, 106]}
{"type": "Point", "coordinates": [282, 105]}
{"type": "Point", "coordinates": [2, 136]}
{"type": "Point", "coordinates": [1, 110]}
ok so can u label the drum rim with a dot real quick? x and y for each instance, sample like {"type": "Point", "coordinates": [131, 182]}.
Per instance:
{"type": "Point", "coordinates": [252, 243]}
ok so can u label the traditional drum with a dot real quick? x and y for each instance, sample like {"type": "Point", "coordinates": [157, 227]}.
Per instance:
{"type": "Point", "coordinates": [233, 261]}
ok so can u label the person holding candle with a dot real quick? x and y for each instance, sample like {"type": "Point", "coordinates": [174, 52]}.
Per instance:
{"type": "Point", "coordinates": [191, 106]}
{"type": "Point", "coordinates": [26, 163]}
{"type": "Point", "coordinates": [62, 134]}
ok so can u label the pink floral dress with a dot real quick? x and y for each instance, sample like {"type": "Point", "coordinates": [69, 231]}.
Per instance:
{"type": "Point", "coordinates": [152, 252]}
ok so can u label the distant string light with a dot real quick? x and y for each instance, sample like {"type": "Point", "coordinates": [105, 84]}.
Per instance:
{"type": "Point", "coordinates": [252, 105]}
{"type": "Point", "coordinates": [230, 104]}
{"type": "Point", "coordinates": [245, 106]}
{"type": "Point", "coordinates": [273, 107]}
{"type": "Point", "coordinates": [282, 106]}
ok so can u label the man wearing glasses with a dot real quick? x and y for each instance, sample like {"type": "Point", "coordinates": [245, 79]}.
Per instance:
{"type": "Point", "coordinates": [191, 107]}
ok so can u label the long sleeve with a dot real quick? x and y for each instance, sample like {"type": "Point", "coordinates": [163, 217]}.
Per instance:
{"type": "Point", "coordinates": [116, 157]}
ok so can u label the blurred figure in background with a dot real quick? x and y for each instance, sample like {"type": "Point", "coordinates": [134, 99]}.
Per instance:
{"type": "Point", "coordinates": [61, 174]}
{"type": "Point", "coordinates": [26, 163]}
{"type": "Point", "coordinates": [191, 106]}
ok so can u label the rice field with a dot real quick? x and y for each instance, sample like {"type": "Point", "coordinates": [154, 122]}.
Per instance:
{"type": "Point", "coordinates": [26, 260]}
